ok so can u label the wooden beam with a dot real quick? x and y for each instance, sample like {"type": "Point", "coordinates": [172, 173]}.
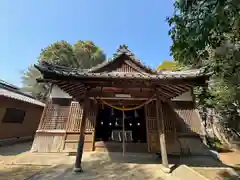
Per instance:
{"type": "Point", "coordinates": [78, 162]}
{"type": "Point", "coordinates": [174, 88]}
{"type": "Point", "coordinates": [169, 91]}
{"type": "Point", "coordinates": [181, 87]}
{"type": "Point", "coordinates": [120, 98]}
{"type": "Point", "coordinates": [198, 81]}
{"type": "Point", "coordinates": [164, 93]}
{"type": "Point", "coordinates": [111, 95]}
{"type": "Point", "coordinates": [161, 131]}
{"type": "Point", "coordinates": [76, 86]}
{"type": "Point", "coordinates": [118, 84]}
{"type": "Point", "coordinates": [70, 86]}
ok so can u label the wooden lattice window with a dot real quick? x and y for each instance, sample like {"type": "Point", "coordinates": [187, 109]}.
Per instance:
{"type": "Point", "coordinates": [55, 117]}
{"type": "Point", "coordinates": [75, 117]}
{"type": "Point", "coordinates": [13, 115]}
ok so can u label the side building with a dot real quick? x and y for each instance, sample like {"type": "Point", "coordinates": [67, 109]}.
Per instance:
{"type": "Point", "coordinates": [20, 114]}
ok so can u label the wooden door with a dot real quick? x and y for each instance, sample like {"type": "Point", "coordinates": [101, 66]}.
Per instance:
{"type": "Point", "coordinates": [151, 125]}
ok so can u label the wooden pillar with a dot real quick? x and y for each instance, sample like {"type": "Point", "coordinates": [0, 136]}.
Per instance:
{"type": "Point", "coordinates": [161, 131]}
{"type": "Point", "coordinates": [78, 161]}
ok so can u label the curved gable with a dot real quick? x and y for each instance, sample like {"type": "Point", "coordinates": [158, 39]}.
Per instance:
{"type": "Point", "coordinates": [123, 61]}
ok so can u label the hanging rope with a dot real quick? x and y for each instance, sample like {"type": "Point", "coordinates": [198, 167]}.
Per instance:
{"type": "Point", "coordinates": [127, 109]}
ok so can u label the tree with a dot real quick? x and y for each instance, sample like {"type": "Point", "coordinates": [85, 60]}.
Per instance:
{"type": "Point", "coordinates": [88, 54]}
{"type": "Point", "coordinates": [82, 55]}
{"type": "Point", "coordinates": [206, 33]}
{"type": "Point", "coordinates": [169, 65]}
{"type": "Point", "coordinates": [29, 77]}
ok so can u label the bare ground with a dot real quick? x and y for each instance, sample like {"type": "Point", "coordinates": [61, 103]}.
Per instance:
{"type": "Point", "coordinates": [17, 163]}
{"type": "Point", "coordinates": [231, 159]}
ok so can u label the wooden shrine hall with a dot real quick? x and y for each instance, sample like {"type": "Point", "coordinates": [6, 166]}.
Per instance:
{"type": "Point", "coordinates": [120, 105]}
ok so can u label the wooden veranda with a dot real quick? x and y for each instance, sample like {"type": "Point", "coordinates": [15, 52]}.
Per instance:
{"type": "Point", "coordinates": [127, 76]}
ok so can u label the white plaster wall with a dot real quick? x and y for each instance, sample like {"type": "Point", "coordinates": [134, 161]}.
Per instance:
{"type": "Point", "coordinates": [187, 96]}
{"type": "Point", "coordinates": [58, 93]}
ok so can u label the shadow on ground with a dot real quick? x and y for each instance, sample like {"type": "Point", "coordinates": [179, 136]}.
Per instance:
{"type": "Point", "coordinates": [14, 172]}
{"type": "Point", "coordinates": [15, 149]}
{"type": "Point", "coordinates": [98, 171]}
{"type": "Point", "coordinates": [95, 165]}
{"type": "Point", "coordinates": [225, 175]}
{"type": "Point", "coordinates": [207, 166]}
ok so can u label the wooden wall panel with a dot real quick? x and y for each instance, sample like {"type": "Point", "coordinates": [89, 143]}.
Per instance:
{"type": "Point", "coordinates": [184, 118]}
{"type": "Point", "coordinates": [173, 146]}
{"type": "Point", "coordinates": [72, 146]}
{"type": "Point", "coordinates": [125, 68]}
{"type": "Point", "coordinates": [48, 142]}
{"type": "Point", "coordinates": [73, 127]}
{"type": "Point", "coordinates": [71, 142]}
{"type": "Point", "coordinates": [117, 147]}
{"type": "Point", "coordinates": [153, 140]}
{"type": "Point", "coordinates": [170, 117]}
{"type": "Point", "coordinates": [75, 137]}
{"type": "Point", "coordinates": [123, 65]}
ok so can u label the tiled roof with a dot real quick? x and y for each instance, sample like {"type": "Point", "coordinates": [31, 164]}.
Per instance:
{"type": "Point", "coordinates": [46, 67]}
{"type": "Point", "coordinates": [11, 91]}
{"type": "Point", "coordinates": [8, 85]}
{"type": "Point", "coordinates": [123, 49]}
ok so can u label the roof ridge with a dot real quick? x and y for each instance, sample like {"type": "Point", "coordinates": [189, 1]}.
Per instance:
{"type": "Point", "coordinates": [46, 65]}
{"type": "Point", "coordinates": [123, 49]}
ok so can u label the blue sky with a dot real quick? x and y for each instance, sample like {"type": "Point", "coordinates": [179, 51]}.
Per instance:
{"type": "Point", "coordinates": [27, 26]}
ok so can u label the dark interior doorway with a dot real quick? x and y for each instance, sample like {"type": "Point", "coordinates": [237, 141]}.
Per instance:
{"type": "Point", "coordinates": [110, 124]}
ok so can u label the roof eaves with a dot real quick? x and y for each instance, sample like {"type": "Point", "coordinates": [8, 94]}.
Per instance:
{"type": "Point", "coordinates": [79, 74]}
{"type": "Point", "coordinates": [15, 95]}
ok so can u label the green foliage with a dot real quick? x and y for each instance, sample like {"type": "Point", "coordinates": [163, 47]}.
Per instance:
{"type": "Point", "coordinates": [198, 25]}
{"type": "Point", "coordinates": [216, 145]}
{"type": "Point", "coordinates": [88, 54]}
{"type": "Point", "coordinates": [206, 33]}
{"type": "Point", "coordinates": [169, 65]}
{"type": "Point", "coordinates": [82, 55]}
{"type": "Point", "coordinates": [30, 84]}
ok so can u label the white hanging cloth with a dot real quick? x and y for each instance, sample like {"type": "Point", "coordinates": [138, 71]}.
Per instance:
{"type": "Point", "coordinates": [112, 111]}
{"type": "Point", "coordinates": [135, 114]}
